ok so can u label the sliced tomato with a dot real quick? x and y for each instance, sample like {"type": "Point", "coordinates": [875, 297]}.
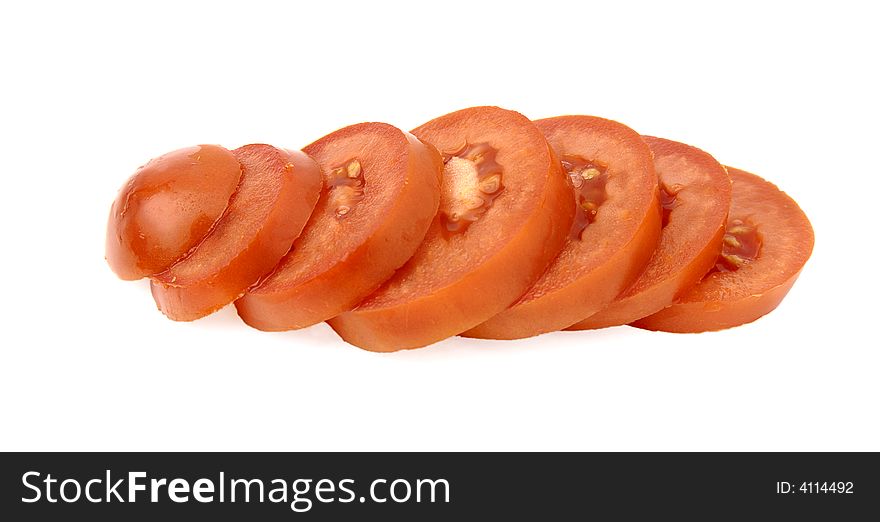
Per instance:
{"type": "Point", "coordinates": [277, 193]}
{"type": "Point", "coordinates": [695, 195]}
{"type": "Point", "coordinates": [614, 235]}
{"type": "Point", "coordinates": [167, 207]}
{"type": "Point", "coordinates": [767, 242]}
{"type": "Point", "coordinates": [381, 192]}
{"type": "Point", "coordinates": [505, 211]}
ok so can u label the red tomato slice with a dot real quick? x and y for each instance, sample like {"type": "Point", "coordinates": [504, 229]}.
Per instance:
{"type": "Point", "coordinates": [695, 194]}
{"type": "Point", "coordinates": [614, 235]}
{"type": "Point", "coordinates": [505, 211]}
{"type": "Point", "coordinates": [767, 242]}
{"type": "Point", "coordinates": [277, 193]}
{"type": "Point", "coordinates": [168, 207]}
{"type": "Point", "coordinates": [381, 192]}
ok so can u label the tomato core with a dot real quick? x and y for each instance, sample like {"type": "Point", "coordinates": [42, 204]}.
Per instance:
{"type": "Point", "coordinates": [473, 182]}
{"type": "Point", "coordinates": [588, 179]}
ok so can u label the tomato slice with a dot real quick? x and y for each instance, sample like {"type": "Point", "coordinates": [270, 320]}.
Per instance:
{"type": "Point", "coordinates": [505, 211]}
{"type": "Point", "coordinates": [277, 193]}
{"type": "Point", "coordinates": [616, 231]}
{"type": "Point", "coordinates": [695, 195]}
{"type": "Point", "coordinates": [381, 192]}
{"type": "Point", "coordinates": [167, 207]}
{"type": "Point", "coordinates": [767, 242]}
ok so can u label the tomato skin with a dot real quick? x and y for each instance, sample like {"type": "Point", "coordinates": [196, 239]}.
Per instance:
{"type": "Point", "coordinates": [278, 305]}
{"type": "Point", "coordinates": [278, 191]}
{"type": "Point", "coordinates": [584, 279]}
{"type": "Point", "coordinates": [688, 246]}
{"type": "Point", "coordinates": [167, 207]}
{"type": "Point", "coordinates": [423, 314]}
{"type": "Point", "coordinates": [724, 299]}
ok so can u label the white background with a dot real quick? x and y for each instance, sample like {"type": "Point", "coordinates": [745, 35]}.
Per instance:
{"type": "Point", "coordinates": [91, 91]}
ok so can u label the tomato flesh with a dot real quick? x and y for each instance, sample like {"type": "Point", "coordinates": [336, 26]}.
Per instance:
{"type": "Point", "coordinates": [277, 193]}
{"type": "Point", "coordinates": [381, 192]}
{"type": "Point", "coordinates": [775, 240]}
{"type": "Point", "coordinates": [168, 207]}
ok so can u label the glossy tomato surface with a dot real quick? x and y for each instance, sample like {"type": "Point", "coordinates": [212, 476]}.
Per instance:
{"type": "Point", "coordinates": [381, 192]}
{"type": "Point", "coordinates": [614, 184]}
{"type": "Point", "coordinates": [277, 193]}
{"type": "Point", "coordinates": [768, 240]}
{"type": "Point", "coordinates": [695, 195]}
{"type": "Point", "coordinates": [505, 211]}
{"type": "Point", "coordinates": [168, 207]}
